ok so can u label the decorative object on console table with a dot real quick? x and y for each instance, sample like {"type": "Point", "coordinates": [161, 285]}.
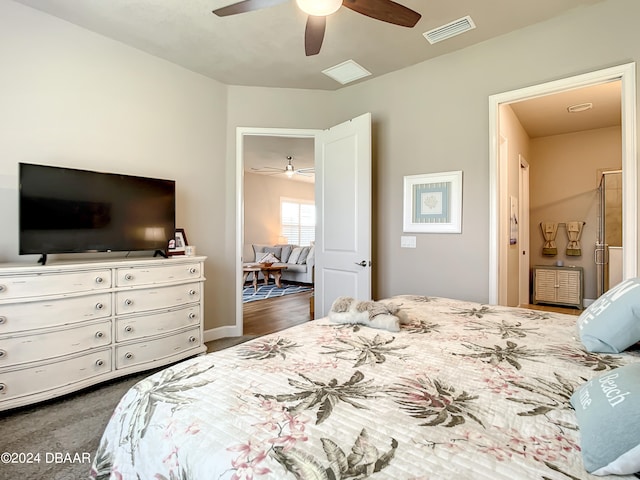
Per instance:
{"type": "Point", "coordinates": [178, 244]}
{"type": "Point", "coordinates": [558, 285]}
{"type": "Point", "coordinates": [66, 326]}
{"type": "Point", "coordinates": [433, 203]}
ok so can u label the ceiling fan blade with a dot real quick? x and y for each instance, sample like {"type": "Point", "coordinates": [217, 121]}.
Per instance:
{"type": "Point", "coordinates": [385, 10]}
{"type": "Point", "coordinates": [246, 6]}
{"type": "Point", "coordinates": [314, 34]}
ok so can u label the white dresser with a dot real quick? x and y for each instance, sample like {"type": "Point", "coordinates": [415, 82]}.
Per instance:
{"type": "Point", "coordinates": [65, 326]}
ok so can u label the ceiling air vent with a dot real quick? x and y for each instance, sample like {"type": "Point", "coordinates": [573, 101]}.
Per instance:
{"type": "Point", "coordinates": [449, 30]}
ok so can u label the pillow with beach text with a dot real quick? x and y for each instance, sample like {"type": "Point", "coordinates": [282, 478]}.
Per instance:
{"type": "Point", "coordinates": [608, 412]}
{"type": "Point", "coordinates": [611, 324]}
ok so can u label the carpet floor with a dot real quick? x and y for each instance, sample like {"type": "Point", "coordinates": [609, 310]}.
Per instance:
{"type": "Point", "coordinates": [65, 432]}
{"type": "Point", "coordinates": [249, 294]}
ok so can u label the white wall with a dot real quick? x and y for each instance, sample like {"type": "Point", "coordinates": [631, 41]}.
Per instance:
{"type": "Point", "coordinates": [69, 97]}
{"type": "Point", "coordinates": [262, 195]}
{"type": "Point", "coordinates": [564, 179]}
{"type": "Point", "coordinates": [517, 144]}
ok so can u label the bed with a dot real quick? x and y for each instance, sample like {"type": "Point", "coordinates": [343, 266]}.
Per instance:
{"type": "Point", "coordinates": [464, 390]}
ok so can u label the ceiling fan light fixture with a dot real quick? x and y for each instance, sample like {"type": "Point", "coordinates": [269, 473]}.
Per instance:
{"type": "Point", "coordinates": [319, 8]}
{"type": "Point", "coordinates": [288, 169]}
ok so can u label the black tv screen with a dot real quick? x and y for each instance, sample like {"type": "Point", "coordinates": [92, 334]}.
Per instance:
{"type": "Point", "coordinates": [64, 210]}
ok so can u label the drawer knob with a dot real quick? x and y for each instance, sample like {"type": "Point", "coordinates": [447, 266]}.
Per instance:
{"type": "Point", "coordinates": [3, 320]}
{"type": "Point", "coordinates": [192, 339]}
{"type": "Point", "coordinates": [192, 292]}
{"type": "Point", "coordinates": [193, 270]}
{"type": "Point", "coordinates": [99, 306]}
{"type": "Point", "coordinates": [128, 355]}
{"type": "Point", "coordinates": [192, 315]}
{"type": "Point", "coordinates": [99, 363]}
{"type": "Point", "coordinates": [99, 334]}
{"type": "Point", "coordinates": [128, 328]}
{"type": "Point", "coordinates": [128, 276]}
{"type": "Point", "coordinates": [3, 353]}
{"type": "Point", "coordinates": [99, 279]}
{"type": "Point", "coordinates": [3, 288]}
{"type": "Point", "coordinates": [3, 387]}
{"type": "Point", "coordinates": [128, 301]}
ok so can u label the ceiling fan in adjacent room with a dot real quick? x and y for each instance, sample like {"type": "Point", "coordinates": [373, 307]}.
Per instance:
{"type": "Point", "coordinates": [289, 170]}
{"type": "Point", "coordinates": [318, 10]}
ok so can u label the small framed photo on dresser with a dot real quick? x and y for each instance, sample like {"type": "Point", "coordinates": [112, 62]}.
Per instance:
{"type": "Point", "coordinates": [177, 245]}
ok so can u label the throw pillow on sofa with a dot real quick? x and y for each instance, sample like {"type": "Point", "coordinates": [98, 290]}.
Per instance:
{"type": "Point", "coordinates": [303, 256]}
{"type": "Point", "coordinates": [260, 250]}
{"type": "Point", "coordinates": [295, 255]}
{"type": "Point", "coordinates": [268, 257]}
{"type": "Point", "coordinates": [286, 252]}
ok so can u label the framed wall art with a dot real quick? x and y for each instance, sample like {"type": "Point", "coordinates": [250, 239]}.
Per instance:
{"type": "Point", "coordinates": [433, 203]}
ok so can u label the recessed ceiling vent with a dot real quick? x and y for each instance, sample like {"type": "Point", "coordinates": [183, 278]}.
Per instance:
{"type": "Point", "coordinates": [449, 30]}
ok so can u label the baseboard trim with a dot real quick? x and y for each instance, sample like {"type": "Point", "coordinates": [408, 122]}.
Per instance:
{"type": "Point", "coordinates": [221, 332]}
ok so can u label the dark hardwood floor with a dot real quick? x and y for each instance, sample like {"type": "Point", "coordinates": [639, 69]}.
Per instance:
{"type": "Point", "coordinates": [274, 314]}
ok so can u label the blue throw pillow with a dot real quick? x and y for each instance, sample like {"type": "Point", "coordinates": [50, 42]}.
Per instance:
{"type": "Point", "coordinates": [612, 323]}
{"type": "Point", "coordinates": [608, 413]}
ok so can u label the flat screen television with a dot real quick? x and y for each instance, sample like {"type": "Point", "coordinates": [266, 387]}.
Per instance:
{"type": "Point", "coordinates": [65, 210]}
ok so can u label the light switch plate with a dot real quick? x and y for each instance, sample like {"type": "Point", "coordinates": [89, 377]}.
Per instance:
{"type": "Point", "coordinates": [407, 241]}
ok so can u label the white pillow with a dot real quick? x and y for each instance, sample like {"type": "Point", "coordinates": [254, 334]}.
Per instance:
{"type": "Point", "coordinates": [268, 257]}
{"type": "Point", "coordinates": [295, 255]}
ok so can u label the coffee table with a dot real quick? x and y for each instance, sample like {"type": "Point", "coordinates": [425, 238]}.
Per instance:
{"type": "Point", "coordinates": [275, 270]}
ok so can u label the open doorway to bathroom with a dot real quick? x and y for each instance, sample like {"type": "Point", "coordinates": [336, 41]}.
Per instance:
{"type": "Point", "coordinates": [504, 187]}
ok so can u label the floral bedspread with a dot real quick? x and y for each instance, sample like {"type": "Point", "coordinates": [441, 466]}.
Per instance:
{"type": "Point", "coordinates": [466, 391]}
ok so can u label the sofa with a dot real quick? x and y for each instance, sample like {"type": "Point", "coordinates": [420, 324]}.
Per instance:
{"type": "Point", "coordinates": [298, 260]}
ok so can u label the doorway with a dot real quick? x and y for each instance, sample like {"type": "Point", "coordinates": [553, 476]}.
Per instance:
{"type": "Point", "coordinates": [242, 134]}
{"type": "Point", "coordinates": [499, 193]}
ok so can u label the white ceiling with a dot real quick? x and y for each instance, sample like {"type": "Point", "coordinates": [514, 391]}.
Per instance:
{"type": "Point", "coordinates": [263, 154]}
{"type": "Point", "coordinates": [548, 115]}
{"type": "Point", "coordinates": [266, 47]}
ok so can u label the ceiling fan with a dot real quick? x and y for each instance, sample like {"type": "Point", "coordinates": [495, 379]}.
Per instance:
{"type": "Point", "coordinates": [318, 10]}
{"type": "Point", "coordinates": [288, 170]}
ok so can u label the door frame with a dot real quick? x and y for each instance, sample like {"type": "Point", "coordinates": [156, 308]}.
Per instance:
{"type": "Point", "coordinates": [523, 232]}
{"type": "Point", "coordinates": [241, 132]}
{"type": "Point", "coordinates": [626, 74]}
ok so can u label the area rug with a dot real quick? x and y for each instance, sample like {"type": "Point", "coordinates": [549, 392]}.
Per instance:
{"type": "Point", "coordinates": [271, 291]}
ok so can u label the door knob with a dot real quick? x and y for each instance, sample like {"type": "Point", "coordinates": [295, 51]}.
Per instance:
{"type": "Point", "coordinates": [363, 263]}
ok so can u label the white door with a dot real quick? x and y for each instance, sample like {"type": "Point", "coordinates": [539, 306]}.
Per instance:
{"type": "Point", "coordinates": [343, 207]}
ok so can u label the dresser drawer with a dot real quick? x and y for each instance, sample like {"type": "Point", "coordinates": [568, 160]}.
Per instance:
{"type": "Point", "coordinates": [157, 349]}
{"type": "Point", "coordinates": [126, 277]}
{"type": "Point", "coordinates": [16, 317]}
{"type": "Point", "coordinates": [132, 301]}
{"type": "Point", "coordinates": [53, 343]}
{"type": "Point", "coordinates": [130, 328]}
{"type": "Point", "coordinates": [22, 286]}
{"type": "Point", "coordinates": [37, 379]}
